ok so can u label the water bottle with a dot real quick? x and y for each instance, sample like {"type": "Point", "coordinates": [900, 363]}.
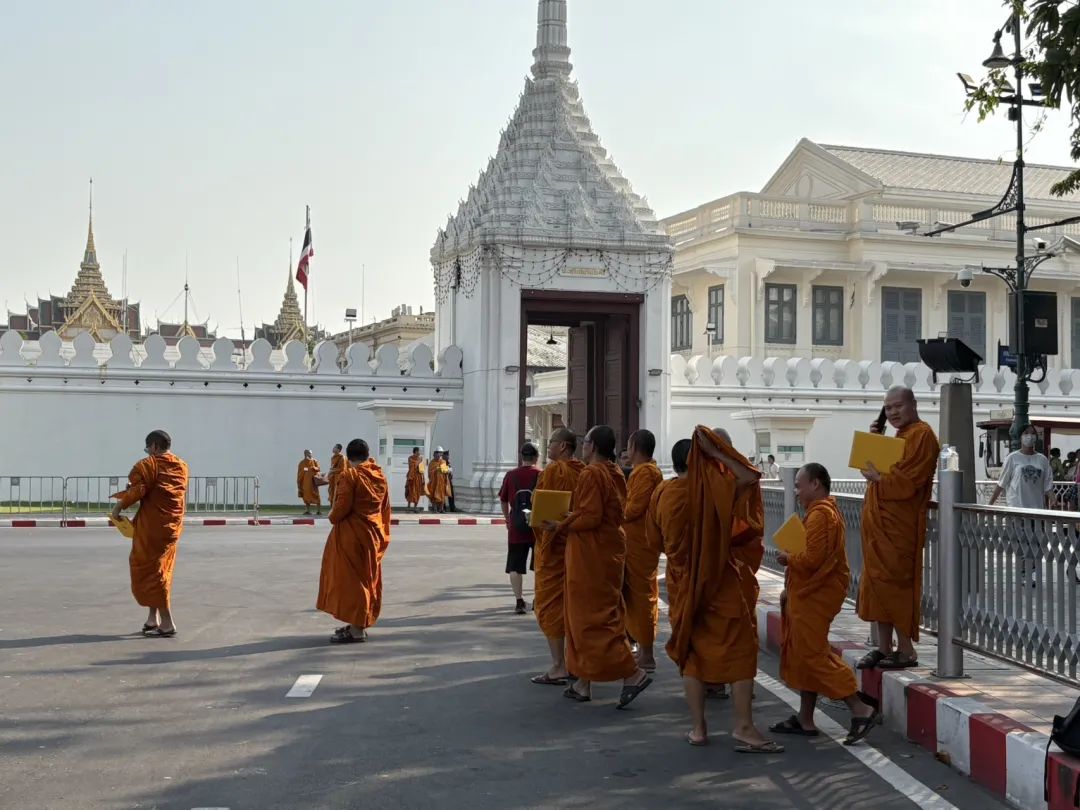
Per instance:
{"type": "Point", "coordinates": [949, 458]}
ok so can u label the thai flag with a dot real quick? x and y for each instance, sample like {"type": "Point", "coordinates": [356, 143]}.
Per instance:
{"type": "Point", "coordinates": [305, 254]}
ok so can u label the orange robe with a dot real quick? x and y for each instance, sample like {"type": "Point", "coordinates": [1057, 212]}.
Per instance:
{"type": "Point", "coordinates": [641, 591]}
{"type": "Point", "coordinates": [894, 532]}
{"type": "Point", "coordinates": [159, 485]}
{"type": "Point", "coordinates": [712, 535]}
{"type": "Point", "coordinates": [438, 490]}
{"type": "Point", "coordinates": [306, 489]}
{"type": "Point", "coordinates": [350, 584]}
{"type": "Point", "coordinates": [817, 584]}
{"type": "Point", "coordinates": [337, 464]}
{"type": "Point", "coordinates": [414, 480]}
{"type": "Point", "coordinates": [549, 553]}
{"type": "Point", "coordinates": [596, 645]}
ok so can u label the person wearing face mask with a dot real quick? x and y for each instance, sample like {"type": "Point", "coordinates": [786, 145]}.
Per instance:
{"type": "Point", "coordinates": [1026, 476]}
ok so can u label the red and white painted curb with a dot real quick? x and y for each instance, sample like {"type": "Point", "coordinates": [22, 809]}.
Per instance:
{"type": "Point", "coordinates": [100, 522]}
{"type": "Point", "coordinates": [1002, 755]}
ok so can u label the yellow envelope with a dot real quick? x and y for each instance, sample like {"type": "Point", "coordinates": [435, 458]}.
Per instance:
{"type": "Point", "coordinates": [791, 537]}
{"type": "Point", "coordinates": [548, 504]}
{"type": "Point", "coordinates": [124, 526]}
{"type": "Point", "coordinates": [882, 451]}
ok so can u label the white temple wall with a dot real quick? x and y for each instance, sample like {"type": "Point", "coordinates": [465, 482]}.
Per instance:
{"type": "Point", "coordinates": [73, 417]}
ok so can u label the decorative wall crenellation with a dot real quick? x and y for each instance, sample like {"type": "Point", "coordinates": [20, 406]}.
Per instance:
{"type": "Point", "coordinates": [807, 375]}
{"type": "Point", "coordinates": [222, 359]}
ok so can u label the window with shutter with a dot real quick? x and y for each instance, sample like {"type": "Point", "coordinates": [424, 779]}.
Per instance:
{"type": "Point", "coordinates": [716, 312]}
{"type": "Point", "coordinates": [967, 319]}
{"type": "Point", "coordinates": [681, 323]}
{"type": "Point", "coordinates": [828, 316]}
{"type": "Point", "coordinates": [901, 323]}
{"type": "Point", "coordinates": [780, 313]}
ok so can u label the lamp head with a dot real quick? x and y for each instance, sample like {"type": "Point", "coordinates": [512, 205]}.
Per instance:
{"type": "Point", "coordinates": [997, 58]}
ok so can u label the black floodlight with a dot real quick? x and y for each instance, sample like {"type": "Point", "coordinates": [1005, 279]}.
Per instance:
{"type": "Point", "coordinates": [948, 355]}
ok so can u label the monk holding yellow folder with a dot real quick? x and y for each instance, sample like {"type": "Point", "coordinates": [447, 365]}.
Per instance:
{"type": "Point", "coordinates": [874, 451]}
{"type": "Point", "coordinates": [791, 537]}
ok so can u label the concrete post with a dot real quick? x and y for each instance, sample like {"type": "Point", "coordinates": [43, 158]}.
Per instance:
{"type": "Point", "coordinates": [955, 428]}
{"type": "Point", "coordinates": [787, 478]}
{"type": "Point", "coordinates": [950, 656]}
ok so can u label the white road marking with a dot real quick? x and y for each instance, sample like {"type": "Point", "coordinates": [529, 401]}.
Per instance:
{"type": "Point", "coordinates": [304, 686]}
{"type": "Point", "coordinates": [663, 604]}
{"type": "Point", "coordinates": [873, 759]}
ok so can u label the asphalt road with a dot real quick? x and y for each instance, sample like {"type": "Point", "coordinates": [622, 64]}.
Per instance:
{"type": "Point", "coordinates": [436, 711]}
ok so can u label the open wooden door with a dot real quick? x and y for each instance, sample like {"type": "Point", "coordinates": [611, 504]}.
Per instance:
{"type": "Point", "coordinates": [613, 390]}
{"type": "Point", "coordinates": [577, 379]}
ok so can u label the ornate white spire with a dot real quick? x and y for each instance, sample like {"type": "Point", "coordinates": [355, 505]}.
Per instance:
{"type": "Point", "coordinates": [552, 55]}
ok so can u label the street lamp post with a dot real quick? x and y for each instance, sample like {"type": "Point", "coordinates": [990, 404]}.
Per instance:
{"type": "Point", "coordinates": [350, 319]}
{"type": "Point", "coordinates": [1013, 201]}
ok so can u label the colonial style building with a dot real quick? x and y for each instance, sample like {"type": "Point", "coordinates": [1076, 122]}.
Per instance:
{"type": "Point", "coordinates": [88, 307]}
{"type": "Point", "coordinates": [822, 261]}
{"type": "Point", "coordinates": [402, 329]}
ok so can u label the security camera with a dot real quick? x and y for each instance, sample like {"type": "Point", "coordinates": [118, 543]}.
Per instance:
{"type": "Point", "coordinates": [964, 277]}
{"type": "Point", "coordinates": [1040, 245]}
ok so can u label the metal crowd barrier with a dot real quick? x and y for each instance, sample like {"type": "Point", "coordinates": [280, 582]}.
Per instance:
{"type": "Point", "coordinates": [79, 495]}
{"type": "Point", "coordinates": [31, 494]}
{"type": "Point", "coordinates": [1004, 582]}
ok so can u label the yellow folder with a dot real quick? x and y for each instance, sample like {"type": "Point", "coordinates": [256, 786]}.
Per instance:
{"type": "Point", "coordinates": [882, 451]}
{"type": "Point", "coordinates": [548, 504]}
{"type": "Point", "coordinates": [791, 537]}
{"type": "Point", "coordinates": [124, 526]}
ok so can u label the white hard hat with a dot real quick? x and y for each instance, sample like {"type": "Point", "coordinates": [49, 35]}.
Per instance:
{"type": "Point", "coordinates": [439, 450]}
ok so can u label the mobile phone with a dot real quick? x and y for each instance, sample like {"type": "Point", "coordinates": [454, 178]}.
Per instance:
{"type": "Point", "coordinates": [880, 423]}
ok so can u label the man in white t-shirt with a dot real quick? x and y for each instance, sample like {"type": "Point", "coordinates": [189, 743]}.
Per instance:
{"type": "Point", "coordinates": [770, 469]}
{"type": "Point", "coordinates": [1026, 477]}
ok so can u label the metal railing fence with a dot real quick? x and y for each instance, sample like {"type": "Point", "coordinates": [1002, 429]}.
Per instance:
{"type": "Point", "coordinates": [1063, 494]}
{"type": "Point", "coordinates": [1002, 581]}
{"type": "Point", "coordinates": [31, 494]}
{"type": "Point", "coordinates": [82, 495]}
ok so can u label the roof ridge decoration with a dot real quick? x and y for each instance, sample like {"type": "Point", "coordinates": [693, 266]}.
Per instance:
{"type": "Point", "coordinates": [550, 184]}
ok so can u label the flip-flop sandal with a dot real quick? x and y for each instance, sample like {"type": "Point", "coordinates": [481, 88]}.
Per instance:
{"type": "Point", "coordinates": [793, 726]}
{"type": "Point", "coordinates": [574, 694]}
{"type": "Point", "coordinates": [861, 726]}
{"type": "Point", "coordinates": [157, 632]}
{"type": "Point", "coordinates": [630, 693]}
{"type": "Point", "coordinates": [547, 680]}
{"type": "Point", "coordinates": [897, 660]}
{"type": "Point", "coordinates": [695, 742]}
{"type": "Point", "coordinates": [767, 747]}
{"type": "Point", "coordinates": [347, 637]}
{"type": "Point", "coordinates": [341, 630]}
{"type": "Point", "coordinates": [148, 628]}
{"type": "Point", "coordinates": [870, 660]}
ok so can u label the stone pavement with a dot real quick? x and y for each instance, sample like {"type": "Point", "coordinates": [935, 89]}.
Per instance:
{"type": "Point", "coordinates": [436, 711]}
{"type": "Point", "coordinates": [992, 724]}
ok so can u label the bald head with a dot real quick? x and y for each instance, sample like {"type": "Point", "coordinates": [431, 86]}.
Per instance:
{"type": "Point", "coordinates": [562, 445]}
{"type": "Point", "coordinates": [723, 434]}
{"type": "Point", "coordinates": [901, 409]}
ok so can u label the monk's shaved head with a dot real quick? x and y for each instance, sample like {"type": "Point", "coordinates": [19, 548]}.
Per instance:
{"type": "Point", "coordinates": [723, 434]}
{"type": "Point", "coordinates": [358, 450]}
{"type": "Point", "coordinates": [901, 409]}
{"type": "Point", "coordinates": [900, 392]}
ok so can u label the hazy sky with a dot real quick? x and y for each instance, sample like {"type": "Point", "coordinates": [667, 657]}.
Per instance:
{"type": "Point", "coordinates": [207, 126]}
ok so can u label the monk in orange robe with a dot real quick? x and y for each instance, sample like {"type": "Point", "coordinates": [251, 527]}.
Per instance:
{"type": "Point", "coordinates": [158, 484]}
{"type": "Point", "coordinates": [596, 645]}
{"type": "Point", "coordinates": [337, 464]}
{"type": "Point", "coordinates": [438, 489]}
{"type": "Point", "coordinates": [711, 521]}
{"type": "Point", "coordinates": [549, 557]}
{"type": "Point", "coordinates": [307, 484]}
{"type": "Point", "coordinates": [893, 535]}
{"type": "Point", "coordinates": [641, 591]}
{"type": "Point", "coordinates": [414, 480]}
{"type": "Point", "coordinates": [350, 583]}
{"type": "Point", "coordinates": [817, 584]}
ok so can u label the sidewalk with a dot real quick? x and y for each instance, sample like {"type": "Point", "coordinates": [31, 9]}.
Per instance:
{"type": "Point", "coordinates": [992, 725]}
{"type": "Point", "coordinates": [402, 519]}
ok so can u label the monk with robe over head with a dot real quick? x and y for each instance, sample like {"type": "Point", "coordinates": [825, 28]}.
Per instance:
{"type": "Point", "coordinates": [438, 489]}
{"type": "Point", "coordinates": [337, 464]}
{"type": "Point", "coordinates": [710, 522]}
{"type": "Point", "coordinates": [307, 488]}
{"type": "Point", "coordinates": [350, 583]}
{"type": "Point", "coordinates": [641, 591]}
{"type": "Point", "coordinates": [596, 645]}
{"type": "Point", "coordinates": [893, 536]}
{"type": "Point", "coordinates": [414, 480]}
{"type": "Point", "coordinates": [549, 556]}
{"type": "Point", "coordinates": [158, 484]}
{"type": "Point", "coordinates": [817, 584]}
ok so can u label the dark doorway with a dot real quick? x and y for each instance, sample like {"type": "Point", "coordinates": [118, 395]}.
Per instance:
{"type": "Point", "coordinates": [602, 356]}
